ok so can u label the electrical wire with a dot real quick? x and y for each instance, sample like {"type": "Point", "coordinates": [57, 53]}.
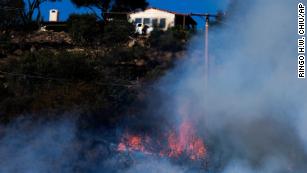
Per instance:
{"type": "Point", "coordinates": [64, 80]}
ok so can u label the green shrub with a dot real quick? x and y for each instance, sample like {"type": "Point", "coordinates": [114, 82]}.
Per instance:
{"type": "Point", "coordinates": [83, 28]}
{"type": "Point", "coordinates": [124, 54]}
{"type": "Point", "coordinates": [86, 30]}
{"type": "Point", "coordinates": [65, 65]}
{"type": "Point", "coordinates": [171, 40]}
{"type": "Point", "coordinates": [117, 32]}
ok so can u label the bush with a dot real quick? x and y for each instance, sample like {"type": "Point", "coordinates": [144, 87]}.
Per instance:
{"type": "Point", "coordinates": [124, 54]}
{"type": "Point", "coordinates": [67, 66]}
{"type": "Point", "coordinates": [117, 32]}
{"type": "Point", "coordinates": [47, 81]}
{"type": "Point", "coordinates": [171, 40]}
{"type": "Point", "coordinates": [83, 28]}
{"type": "Point", "coordinates": [11, 14]}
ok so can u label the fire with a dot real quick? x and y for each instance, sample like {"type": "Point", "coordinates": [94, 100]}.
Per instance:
{"type": "Point", "coordinates": [131, 143]}
{"type": "Point", "coordinates": [184, 142]}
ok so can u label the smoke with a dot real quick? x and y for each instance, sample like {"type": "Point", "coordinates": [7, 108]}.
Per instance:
{"type": "Point", "coordinates": [155, 166]}
{"type": "Point", "coordinates": [253, 111]}
{"type": "Point", "coordinates": [43, 147]}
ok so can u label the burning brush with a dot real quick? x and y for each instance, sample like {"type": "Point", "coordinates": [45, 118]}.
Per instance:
{"type": "Point", "coordinates": [179, 144]}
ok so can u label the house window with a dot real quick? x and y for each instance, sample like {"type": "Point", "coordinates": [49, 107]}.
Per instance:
{"type": "Point", "coordinates": [162, 23]}
{"type": "Point", "coordinates": [138, 20]}
{"type": "Point", "coordinates": [146, 21]}
{"type": "Point", "coordinates": [154, 22]}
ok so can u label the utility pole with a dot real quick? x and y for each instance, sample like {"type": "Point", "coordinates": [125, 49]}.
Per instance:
{"type": "Point", "coordinates": [207, 65]}
{"type": "Point", "coordinates": [207, 58]}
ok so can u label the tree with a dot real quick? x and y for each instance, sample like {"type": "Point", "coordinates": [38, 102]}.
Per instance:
{"type": "Point", "coordinates": [111, 5]}
{"type": "Point", "coordinates": [83, 28]}
{"type": "Point", "coordinates": [33, 6]}
{"type": "Point", "coordinates": [102, 5]}
{"type": "Point", "coordinates": [127, 6]}
{"type": "Point", "coordinates": [17, 12]}
{"type": "Point", "coordinates": [117, 32]}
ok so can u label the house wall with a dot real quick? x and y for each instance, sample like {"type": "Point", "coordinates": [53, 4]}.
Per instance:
{"type": "Point", "coordinates": [154, 13]}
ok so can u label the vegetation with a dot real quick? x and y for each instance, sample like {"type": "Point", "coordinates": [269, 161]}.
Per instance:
{"type": "Point", "coordinates": [117, 32]}
{"type": "Point", "coordinates": [33, 6]}
{"type": "Point", "coordinates": [62, 81]}
{"type": "Point", "coordinates": [86, 31]}
{"type": "Point", "coordinates": [17, 14]}
{"type": "Point", "coordinates": [11, 14]}
{"type": "Point", "coordinates": [47, 81]}
{"type": "Point", "coordinates": [171, 40]}
{"type": "Point", "coordinates": [103, 81]}
{"type": "Point", "coordinates": [104, 85]}
{"type": "Point", "coordinates": [111, 5]}
{"type": "Point", "coordinates": [83, 28]}
{"type": "Point", "coordinates": [127, 6]}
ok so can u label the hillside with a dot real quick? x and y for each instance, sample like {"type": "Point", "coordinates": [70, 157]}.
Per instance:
{"type": "Point", "coordinates": [49, 73]}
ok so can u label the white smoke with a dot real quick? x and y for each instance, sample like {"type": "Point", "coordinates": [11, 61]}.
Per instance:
{"type": "Point", "coordinates": [253, 112]}
{"type": "Point", "coordinates": [29, 148]}
{"type": "Point", "coordinates": [155, 166]}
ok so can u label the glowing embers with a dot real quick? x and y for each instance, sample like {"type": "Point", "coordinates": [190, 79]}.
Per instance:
{"type": "Point", "coordinates": [131, 143]}
{"type": "Point", "coordinates": [186, 142]}
{"type": "Point", "coordinates": [175, 144]}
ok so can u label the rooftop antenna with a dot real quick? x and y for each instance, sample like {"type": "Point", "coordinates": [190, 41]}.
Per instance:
{"type": "Point", "coordinates": [207, 58]}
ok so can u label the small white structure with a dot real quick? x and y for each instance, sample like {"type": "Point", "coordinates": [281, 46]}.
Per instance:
{"type": "Point", "coordinates": [162, 19]}
{"type": "Point", "coordinates": [53, 15]}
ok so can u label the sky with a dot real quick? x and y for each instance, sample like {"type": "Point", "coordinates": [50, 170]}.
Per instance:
{"type": "Point", "coordinates": [184, 6]}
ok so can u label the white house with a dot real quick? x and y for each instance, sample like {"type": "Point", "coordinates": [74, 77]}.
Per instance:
{"type": "Point", "coordinates": [162, 19]}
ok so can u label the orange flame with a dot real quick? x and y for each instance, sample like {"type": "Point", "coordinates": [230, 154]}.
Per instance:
{"type": "Point", "coordinates": [184, 142]}
{"type": "Point", "coordinates": [131, 143]}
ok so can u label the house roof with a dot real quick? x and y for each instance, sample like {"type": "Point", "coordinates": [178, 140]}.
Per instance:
{"type": "Point", "coordinates": [168, 11]}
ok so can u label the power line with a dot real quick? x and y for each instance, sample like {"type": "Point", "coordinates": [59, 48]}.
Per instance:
{"type": "Point", "coordinates": [30, 76]}
{"type": "Point", "coordinates": [64, 80]}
